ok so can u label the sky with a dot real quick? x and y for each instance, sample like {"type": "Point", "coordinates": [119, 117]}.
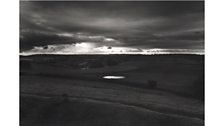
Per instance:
{"type": "Point", "coordinates": [77, 27]}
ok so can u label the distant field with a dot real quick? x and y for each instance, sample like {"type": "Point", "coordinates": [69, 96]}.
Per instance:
{"type": "Point", "coordinates": [176, 73]}
{"type": "Point", "coordinates": [176, 98]}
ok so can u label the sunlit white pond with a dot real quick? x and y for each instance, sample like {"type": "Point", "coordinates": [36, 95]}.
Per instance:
{"type": "Point", "coordinates": [113, 77]}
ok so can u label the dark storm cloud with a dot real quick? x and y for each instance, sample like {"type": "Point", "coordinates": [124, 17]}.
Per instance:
{"type": "Point", "coordinates": [129, 24]}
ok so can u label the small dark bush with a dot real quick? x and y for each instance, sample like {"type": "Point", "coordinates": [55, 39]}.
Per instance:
{"type": "Point", "coordinates": [65, 97]}
{"type": "Point", "coordinates": [152, 84]}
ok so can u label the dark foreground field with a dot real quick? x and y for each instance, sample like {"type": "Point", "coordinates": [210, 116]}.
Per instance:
{"type": "Point", "coordinates": [159, 90]}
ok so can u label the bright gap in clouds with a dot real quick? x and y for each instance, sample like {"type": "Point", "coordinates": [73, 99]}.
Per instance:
{"type": "Point", "coordinates": [92, 48]}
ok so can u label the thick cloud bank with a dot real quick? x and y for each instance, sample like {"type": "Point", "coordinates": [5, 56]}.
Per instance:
{"type": "Point", "coordinates": [170, 25]}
